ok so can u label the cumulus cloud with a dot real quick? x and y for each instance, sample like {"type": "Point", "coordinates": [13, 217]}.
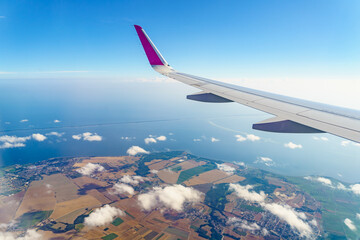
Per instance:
{"type": "Point", "coordinates": [122, 188]}
{"type": "Point", "coordinates": [214, 139]}
{"type": "Point", "coordinates": [88, 136]}
{"type": "Point", "coordinates": [295, 219]}
{"type": "Point", "coordinates": [38, 137]}
{"type": "Point", "coordinates": [321, 138]}
{"type": "Point", "coordinates": [358, 216]}
{"type": "Point", "coordinates": [243, 192]}
{"type": "Point", "coordinates": [265, 160]}
{"type": "Point", "coordinates": [237, 222]}
{"type": "Point", "coordinates": [56, 134]}
{"type": "Point", "coordinates": [225, 168]}
{"type": "Point", "coordinates": [150, 140]}
{"type": "Point", "coordinates": [197, 140]}
{"type": "Point", "coordinates": [323, 180]}
{"type": "Point", "coordinates": [132, 180]}
{"type": "Point", "coordinates": [24, 120]}
{"type": "Point", "coordinates": [345, 143]}
{"type": "Point", "coordinates": [292, 145]}
{"type": "Point", "coordinates": [161, 138]}
{"type": "Point", "coordinates": [170, 197]}
{"type": "Point", "coordinates": [350, 224]}
{"type": "Point", "coordinates": [154, 171]}
{"type": "Point", "coordinates": [90, 168]}
{"type": "Point", "coordinates": [250, 137]}
{"type": "Point", "coordinates": [136, 150]}
{"type": "Point", "coordinates": [240, 164]}
{"type": "Point", "coordinates": [7, 141]}
{"type": "Point", "coordinates": [355, 188]}
{"type": "Point", "coordinates": [30, 234]}
{"type": "Point", "coordinates": [103, 216]}
{"type": "Point", "coordinates": [56, 121]}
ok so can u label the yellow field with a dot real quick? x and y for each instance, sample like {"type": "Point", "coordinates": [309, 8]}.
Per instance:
{"type": "Point", "coordinates": [207, 177]}
{"type": "Point", "coordinates": [38, 197]}
{"type": "Point", "coordinates": [230, 179]}
{"type": "Point", "coordinates": [63, 187]}
{"type": "Point", "coordinates": [81, 181]}
{"type": "Point", "coordinates": [168, 176]}
{"type": "Point", "coordinates": [9, 205]}
{"type": "Point", "coordinates": [189, 164]}
{"type": "Point", "coordinates": [161, 165]}
{"type": "Point", "coordinates": [64, 208]}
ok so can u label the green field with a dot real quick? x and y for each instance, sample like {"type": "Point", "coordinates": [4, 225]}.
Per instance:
{"type": "Point", "coordinates": [28, 220]}
{"type": "Point", "coordinates": [117, 221]}
{"type": "Point", "coordinates": [189, 173]}
{"type": "Point", "coordinates": [111, 236]}
{"type": "Point", "coordinates": [176, 169]}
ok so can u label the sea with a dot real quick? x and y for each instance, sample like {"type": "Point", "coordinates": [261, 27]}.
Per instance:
{"type": "Point", "coordinates": [123, 113]}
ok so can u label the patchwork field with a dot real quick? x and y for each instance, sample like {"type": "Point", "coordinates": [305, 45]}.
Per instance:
{"type": "Point", "coordinates": [62, 186]}
{"type": "Point", "coordinates": [168, 176]}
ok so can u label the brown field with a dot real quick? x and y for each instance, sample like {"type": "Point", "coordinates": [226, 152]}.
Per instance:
{"type": "Point", "coordinates": [153, 161]}
{"type": "Point", "coordinates": [131, 206]}
{"type": "Point", "coordinates": [161, 165]}
{"type": "Point", "coordinates": [189, 164]}
{"type": "Point", "coordinates": [64, 208]}
{"type": "Point", "coordinates": [168, 176]}
{"type": "Point", "coordinates": [82, 181]}
{"type": "Point", "coordinates": [230, 179]}
{"type": "Point", "coordinates": [38, 197]}
{"type": "Point", "coordinates": [99, 196]}
{"type": "Point", "coordinates": [9, 205]}
{"type": "Point", "coordinates": [63, 187]}
{"type": "Point", "coordinates": [207, 177]}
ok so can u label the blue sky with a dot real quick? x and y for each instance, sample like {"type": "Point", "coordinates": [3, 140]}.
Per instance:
{"type": "Point", "coordinates": [281, 45]}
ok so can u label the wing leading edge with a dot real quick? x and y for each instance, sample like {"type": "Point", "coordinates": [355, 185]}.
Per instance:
{"type": "Point", "coordinates": [292, 115]}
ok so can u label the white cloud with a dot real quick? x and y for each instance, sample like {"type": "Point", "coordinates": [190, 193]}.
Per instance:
{"type": "Point", "coordinates": [321, 138]}
{"type": "Point", "coordinates": [103, 216]}
{"type": "Point", "coordinates": [154, 171]}
{"type": "Point", "coordinates": [358, 216]}
{"type": "Point", "coordinates": [237, 222]}
{"type": "Point", "coordinates": [56, 134]}
{"type": "Point", "coordinates": [88, 136]}
{"type": "Point", "coordinates": [161, 138]}
{"type": "Point", "coordinates": [136, 150]}
{"type": "Point", "coordinates": [150, 140]}
{"type": "Point", "coordinates": [240, 138]}
{"type": "Point", "coordinates": [243, 192]}
{"type": "Point", "coordinates": [225, 168]}
{"type": "Point", "coordinates": [170, 197]}
{"type": "Point", "coordinates": [38, 137]}
{"type": "Point", "coordinates": [295, 219]}
{"type": "Point", "coordinates": [240, 164]}
{"type": "Point", "coordinates": [341, 186]}
{"type": "Point", "coordinates": [122, 188]}
{"type": "Point", "coordinates": [265, 160]}
{"type": "Point", "coordinates": [197, 140]}
{"type": "Point", "coordinates": [292, 145]}
{"type": "Point", "coordinates": [128, 138]}
{"type": "Point", "coordinates": [253, 137]}
{"type": "Point", "coordinates": [250, 137]}
{"type": "Point", "coordinates": [7, 141]}
{"type": "Point", "coordinates": [350, 224]}
{"type": "Point", "coordinates": [344, 143]}
{"type": "Point", "coordinates": [214, 139]}
{"type": "Point", "coordinates": [90, 168]}
{"type": "Point", "coordinates": [56, 121]}
{"type": "Point", "coordinates": [132, 180]}
{"type": "Point", "coordinates": [355, 188]}
{"type": "Point", "coordinates": [323, 180]}
{"type": "Point", "coordinates": [24, 120]}
{"type": "Point", "coordinates": [30, 234]}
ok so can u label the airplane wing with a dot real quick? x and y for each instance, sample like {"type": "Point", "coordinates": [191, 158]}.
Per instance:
{"type": "Point", "coordinates": [291, 115]}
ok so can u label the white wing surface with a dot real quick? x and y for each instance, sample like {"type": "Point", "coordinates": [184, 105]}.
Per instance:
{"type": "Point", "coordinates": [291, 115]}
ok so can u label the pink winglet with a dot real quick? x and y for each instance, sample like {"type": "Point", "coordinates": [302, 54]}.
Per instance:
{"type": "Point", "coordinates": [151, 53]}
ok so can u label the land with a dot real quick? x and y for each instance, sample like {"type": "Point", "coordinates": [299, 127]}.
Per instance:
{"type": "Point", "coordinates": [53, 198]}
